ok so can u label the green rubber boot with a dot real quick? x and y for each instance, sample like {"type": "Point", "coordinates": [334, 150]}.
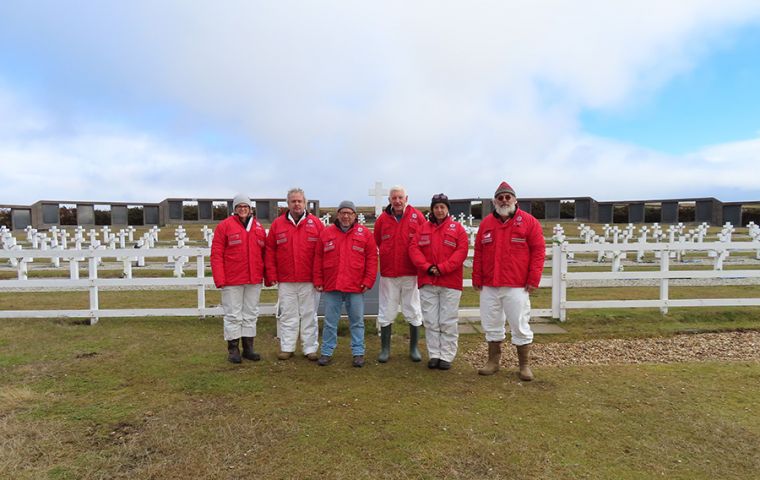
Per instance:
{"type": "Point", "coordinates": [414, 336]}
{"type": "Point", "coordinates": [385, 344]}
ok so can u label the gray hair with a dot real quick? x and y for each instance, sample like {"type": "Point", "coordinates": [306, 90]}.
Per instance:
{"type": "Point", "coordinates": [296, 190]}
{"type": "Point", "coordinates": [397, 188]}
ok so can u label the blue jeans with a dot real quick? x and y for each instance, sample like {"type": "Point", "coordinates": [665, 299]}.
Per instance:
{"type": "Point", "coordinates": [355, 308]}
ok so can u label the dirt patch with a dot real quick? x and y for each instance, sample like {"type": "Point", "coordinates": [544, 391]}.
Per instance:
{"type": "Point", "coordinates": [727, 346]}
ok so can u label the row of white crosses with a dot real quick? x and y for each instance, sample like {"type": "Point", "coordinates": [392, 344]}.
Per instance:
{"type": "Point", "coordinates": [180, 236]}
{"type": "Point", "coordinates": [754, 234]}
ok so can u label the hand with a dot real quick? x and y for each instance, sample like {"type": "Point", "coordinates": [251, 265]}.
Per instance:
{"type": "Point", "coordinates": [319, 289]}
{"type": "Point", "coordinates": [364, 288]}
{"type": "Point", "coordinates": [530, 289]}
{"type": "Point", "coordinates": [434, 270]}
{"type": "Point", "coordinates": [477, 287]}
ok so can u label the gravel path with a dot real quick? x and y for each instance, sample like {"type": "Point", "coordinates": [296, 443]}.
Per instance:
{"type": "Point", "coordinates": [729, 346]}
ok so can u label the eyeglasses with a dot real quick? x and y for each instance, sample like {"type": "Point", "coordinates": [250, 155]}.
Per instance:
{"type": "Point", "coordinates": [439, 197]}
{"type": "Point", "coordinates": [346, 212]}
{"type": "Point", "coordinates": [244, 206]}
{"type": "Point", "coordinates": [504, 196]}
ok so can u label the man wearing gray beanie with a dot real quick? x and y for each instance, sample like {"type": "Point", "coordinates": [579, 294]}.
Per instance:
{"type": "Point", "coordinates": [345, 266]}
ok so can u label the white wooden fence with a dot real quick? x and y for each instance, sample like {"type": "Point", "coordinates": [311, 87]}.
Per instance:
{"type": "Point", "coordinates": [559, 256]}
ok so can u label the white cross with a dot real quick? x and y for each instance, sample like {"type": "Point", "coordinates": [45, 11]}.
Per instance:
{"type": "Point", "coordinates": [379, 193]}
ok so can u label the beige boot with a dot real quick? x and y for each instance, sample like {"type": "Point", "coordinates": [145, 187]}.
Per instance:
{"type": "Point", "coordinates": [523, 356]}
{"type": "Point", "coordinates": [494, 356]}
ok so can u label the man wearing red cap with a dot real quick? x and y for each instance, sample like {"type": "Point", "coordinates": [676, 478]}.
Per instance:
{"type": "Point", "coordinates": [509, 259]}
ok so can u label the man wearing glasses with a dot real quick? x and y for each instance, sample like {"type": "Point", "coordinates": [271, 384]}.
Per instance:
{"type": "Point", "coordinates": [509, 259]}
{"type": "Point", "coordinates": [345, 266]}
{"type": "Point", "coordinates": [237, 264]}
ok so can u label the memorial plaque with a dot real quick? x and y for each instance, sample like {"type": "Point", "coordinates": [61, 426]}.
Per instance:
{"type": "Point", "coordinates": [119, 215]}
{"type": "Point", "coordinates": [175, 210]}
{"type": "Point", "coordinates": [151, 215]}
{"type": "Point", "coordinates": [552, 210]}
{"type": "Point", "coordinates": [20, 219]}
{"type": "Point", "coordinates": [669, 213]}
{"type": "Point", "coordinates": [85, 214]}
{"type": "Point", "coordinates": [635, 213]}
{"type": "Point", "coordinates": [50, 213]}
{"type": "Point", "coordinates": [205, 211]}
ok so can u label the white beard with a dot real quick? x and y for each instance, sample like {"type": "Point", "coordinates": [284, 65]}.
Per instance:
{"type": "Point", "coordinates": [507, 210]}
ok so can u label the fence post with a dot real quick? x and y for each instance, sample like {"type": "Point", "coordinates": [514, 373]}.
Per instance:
{"type": "Point", "coordinates": [92, 263]}
{"type": "Point", "coordinates": [201, 272]}
{"type": "Point", "coordinates": [556, 279]}
{"type": "Point", "coordinates": [563, 283]}
{"type": "Point", "coordinates": [664, 283]}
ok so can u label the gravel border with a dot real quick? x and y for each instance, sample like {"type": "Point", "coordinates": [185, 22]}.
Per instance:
{"type": "Point", "coordinates": [727, 346]}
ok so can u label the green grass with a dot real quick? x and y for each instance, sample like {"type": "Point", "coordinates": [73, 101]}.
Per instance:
{"type": "Point", "coordinates": [155, 398]}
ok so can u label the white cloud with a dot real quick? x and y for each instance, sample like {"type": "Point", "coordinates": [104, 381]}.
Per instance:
{"type": "Point", "coordinates": [439, 95]}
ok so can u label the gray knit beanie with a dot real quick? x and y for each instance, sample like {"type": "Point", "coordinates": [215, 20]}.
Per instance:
{"type": "Point", "coordinates": [240, 198]}
{"type": "Point", "coordinates": [346, 204]}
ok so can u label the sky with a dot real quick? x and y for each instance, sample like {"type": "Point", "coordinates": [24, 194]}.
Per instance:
{"type": "Point", "coordinates": [145, 100]}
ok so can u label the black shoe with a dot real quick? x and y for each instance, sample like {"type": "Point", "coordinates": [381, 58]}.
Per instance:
{"type": "Point", "coordinates": [248, 352]}
{"type": "Point", "coordinates": [233, 351]}
{"type": "Point", "coordinates": [444, 365]}
{"type": "Point", "coordinates": [433, 363]}
{"type": "Point", "coordinates": [324, 360]}
{"type": "Point", "coordinates": [358, 361]}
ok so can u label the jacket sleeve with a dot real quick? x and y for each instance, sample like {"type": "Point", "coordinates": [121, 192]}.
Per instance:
{"type": "Point", "coordinates": [537, 246]}
{"type": "Point", "coordinates": [317, 276]}
{"type": "Point", "coordinates": [217, 255]}
{"type": "Point", "coordinates": [477, 261]}
{"type": "Point", "coordinates": [370, 262]}
{"type": "Point", "coordinates": [416, 255]}
{"type": "Point", "coordinates": [378, 230]}
{"type": "Point", "coordinates": [458, 256]}
{"type": "Point", "coordinates": [270, 257]}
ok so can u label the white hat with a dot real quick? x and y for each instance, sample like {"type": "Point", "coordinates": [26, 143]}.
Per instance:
{"type": "Point", "coordinates": [240, 198]}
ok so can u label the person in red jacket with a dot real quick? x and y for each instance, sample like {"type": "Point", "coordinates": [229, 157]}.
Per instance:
{"type": "Point", "coordinates": [289, 259]}
{"type": "Point", "coordinates": [344, 268]}
{"type": "Point", "coordinates": [237, 264]}
{"type": "Point", "coordinates": [438, 251]}
{"type": "Point", "coordinates": [394, 230]}
{"type": "Point", "coordinates": [509, 259]}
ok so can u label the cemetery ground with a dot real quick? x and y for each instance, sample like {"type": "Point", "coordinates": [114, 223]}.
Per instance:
{"type": "Point", "coordinates": [624, 393]}
{"type": "Point", "coordinates": [156, 398]}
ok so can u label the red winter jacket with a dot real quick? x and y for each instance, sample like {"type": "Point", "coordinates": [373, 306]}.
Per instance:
{"type": "Point", "coordinates": [345, 261]}
{"type": "Point", "coordinates": [393, 238]}
{"type": "Point", "coordinates": [444, 245]}
{"type": "Point", "coordinates": [237, 255]}
{"type": "Point", "coordinates": [509, 254]}
{"type": "Point", "coordinates": [290, 249]}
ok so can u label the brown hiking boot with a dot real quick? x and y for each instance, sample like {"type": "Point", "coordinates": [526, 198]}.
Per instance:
{"type": "Point", "coordinates": [523, 357]}
{"type": "Point", "coordinates": [494, 357]}
{"type": "Point", "coordinates": [313, 356]}
{"type": "Point", "coordinates": [233, 351]}
{"type": "Point", "coordinates": [284, 355]}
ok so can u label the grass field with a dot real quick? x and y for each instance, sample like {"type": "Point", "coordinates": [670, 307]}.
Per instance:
{"type": "Point", "coordinates": [155, 398]}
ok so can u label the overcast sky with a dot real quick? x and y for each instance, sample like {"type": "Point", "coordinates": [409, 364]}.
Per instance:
{"type": "Point", "coordinates": [144, 100]}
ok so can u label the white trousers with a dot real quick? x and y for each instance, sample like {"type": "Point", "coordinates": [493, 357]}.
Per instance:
{"type": "Point", "coordinates": [241, 310]}
{"type": "Point", "coordinates": [298, 312]}
{"type": "Point", "coordinates": [440, 310]}
{"type": "Point", "coordinates": [495, 303]}
{"type": "Point", "coordinates": [395, 291]}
